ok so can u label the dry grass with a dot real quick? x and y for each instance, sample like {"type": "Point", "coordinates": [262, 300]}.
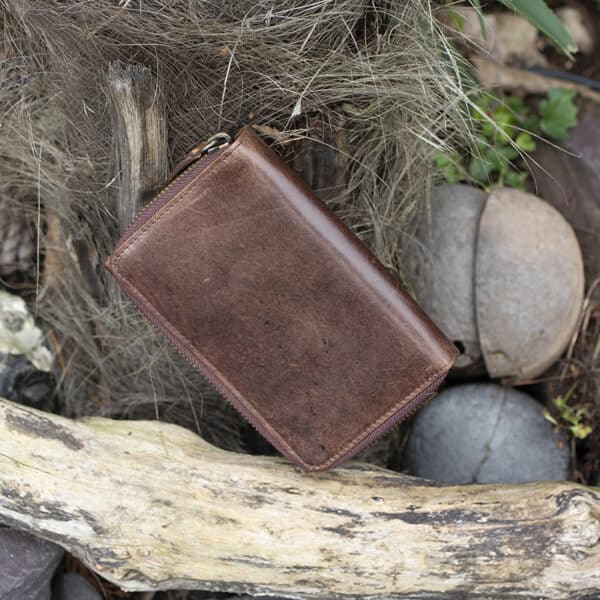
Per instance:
{"type": "Point", "coordinates": [379, 71]}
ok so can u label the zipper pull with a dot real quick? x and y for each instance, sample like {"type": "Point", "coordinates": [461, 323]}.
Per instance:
{"type": "Point", "coordinates": [215, 142]}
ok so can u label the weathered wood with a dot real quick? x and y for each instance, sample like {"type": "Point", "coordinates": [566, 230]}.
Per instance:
{"type": "Point", "coordinates": [139, 138]}
{"type": "Point", "coordinates": [151, 505]}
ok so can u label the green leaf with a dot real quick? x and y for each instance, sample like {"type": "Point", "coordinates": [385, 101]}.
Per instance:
{"type": "Point", "coordinates": [516, 104]}
{"type": "Point", "coordinates": [488, 129]}
{"type": "Point", "coordinates": [542, 17]}
{"type": "Point", "coordinates": [483, 100]}
{"type": "Point", "coordinates": [558, 113]}
{"type": "Point", "coordinates": [581, 431]}
{"type": "Point", "coordinates": [506, 153]}
{"type": "Point", "coordinates": [449, 165]}
{"type": "Point", "coordinates": [480, 170]}
{"type": "Point", "coordinates": [531, 123]}
{"type": "Point", "coordinates": [516, 179]}
{"type": "Point", "coordinates": [560, 402]}
{"type": "Point", "coordinates": [505, 119]}
{"type": "Point", "coordinates": [503, 115]}
{"type": "Point", "coordinates": [457, 19]}
{"type": "Point", "coordinates": [525, 142]}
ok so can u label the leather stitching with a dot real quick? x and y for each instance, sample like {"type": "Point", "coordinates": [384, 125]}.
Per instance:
{"type": "Point", "coordinates": [203, 365]}
{"type": "Point", "coordinates": [365, 432]}
{"type": "Point", "coordinates": [173, 202]}
{"type": "Point", "coordinates": [207, 369]}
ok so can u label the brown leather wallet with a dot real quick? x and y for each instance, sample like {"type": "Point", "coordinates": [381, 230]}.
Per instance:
{"type": "Point", "coordinates": [279, 305]}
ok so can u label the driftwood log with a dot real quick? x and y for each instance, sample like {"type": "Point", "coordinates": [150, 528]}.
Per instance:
{"type": "Point", "coordinates": [153, 506]}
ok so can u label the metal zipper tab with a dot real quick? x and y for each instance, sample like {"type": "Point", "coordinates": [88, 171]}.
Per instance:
{"type": "Point", "coordinates": [214, 143]}
{"type": "Point", "coordinates": [185, 171]}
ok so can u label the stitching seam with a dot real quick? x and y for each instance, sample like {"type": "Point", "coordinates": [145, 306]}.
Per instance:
{"type": "Point", "coordinates": [387, 414]}
{"type": "Point", "coordinates": [176, 200]}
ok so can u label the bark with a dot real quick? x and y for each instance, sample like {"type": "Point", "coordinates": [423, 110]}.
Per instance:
{"type": "Point", "coordinates": [153, 506]}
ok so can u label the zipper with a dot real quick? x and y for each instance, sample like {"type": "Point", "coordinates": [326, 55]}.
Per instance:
{"type": "Point", "coordinates": [198, 159]}
{"type": "Point", "coordinates": [400, 415]}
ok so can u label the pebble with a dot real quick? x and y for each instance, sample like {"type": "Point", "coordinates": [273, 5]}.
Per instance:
{"type": "Point", "coordinates": [441, 267]}
{"type": "Point", "coordinates": [485, 433]}
{"type": "Point", "coordinates": [529, 284]}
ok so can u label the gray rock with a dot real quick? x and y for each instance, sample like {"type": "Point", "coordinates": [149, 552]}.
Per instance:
{"type": "Point", "coordinates": [529, 284]}
{"type": "Point", "coordinates": [72, 586]}
{"type": "Point", "coordinates": [484, 433]}
{"type": "Point", "coordinates": [26, 565]}
{"type": "Point", "coordinates": [441, 265]}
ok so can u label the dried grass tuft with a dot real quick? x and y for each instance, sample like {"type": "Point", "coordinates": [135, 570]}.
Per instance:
{"type": "Point", "coordinates": [379, 72]}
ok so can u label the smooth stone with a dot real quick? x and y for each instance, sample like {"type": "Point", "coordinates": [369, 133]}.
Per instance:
{"type": "Point", "coordinates": [529, 284]}
{"type": "Point", "coordinates": [440, 266]}
{"type": "Point", "coordinates": [27, 565]}
{"type": "Point", "coordinates": [485, 433]}
{"type": "Point", "coordinates": [72, 586]}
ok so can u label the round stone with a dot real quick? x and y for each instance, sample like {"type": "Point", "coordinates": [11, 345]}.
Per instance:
{"type": "Point", "coordinates": [529, 284]}
{"type": "Point", "coordinates": [441, 263]}
{"type": "Point", "coordinates": [485, 433]}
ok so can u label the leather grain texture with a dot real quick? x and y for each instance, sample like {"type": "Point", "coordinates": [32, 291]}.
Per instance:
{"type": "Point", "coordinates": [289, 315]}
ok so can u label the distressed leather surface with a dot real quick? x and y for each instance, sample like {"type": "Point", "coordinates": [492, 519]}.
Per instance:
{"type": "Point", "coordinates": [285, 310]}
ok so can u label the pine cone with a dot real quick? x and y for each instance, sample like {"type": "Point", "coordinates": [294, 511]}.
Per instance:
{"type": "Point", "coordinates": [17, 244]}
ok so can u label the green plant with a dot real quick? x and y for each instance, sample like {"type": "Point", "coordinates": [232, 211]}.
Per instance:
{"type": "Point", "coordinates": [569, 417]}
{"type": "Point", "coordinates": [558, 113]}
{"type": "Point", "coordinates": [505, 130]}
{"type": "Point", "coordinates": [539, 15]}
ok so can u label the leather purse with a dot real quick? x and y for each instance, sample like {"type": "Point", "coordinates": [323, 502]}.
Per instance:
{"type": "Point", "coordinates": [278, 304]}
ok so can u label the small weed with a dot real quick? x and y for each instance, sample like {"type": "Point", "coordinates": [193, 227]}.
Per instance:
{"type": "Point", "coordinates": [558, 113]}
{"type": "Point", "coordinates": [506, 129]}
{"type": "Point", "coordinates": [573, 418]}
